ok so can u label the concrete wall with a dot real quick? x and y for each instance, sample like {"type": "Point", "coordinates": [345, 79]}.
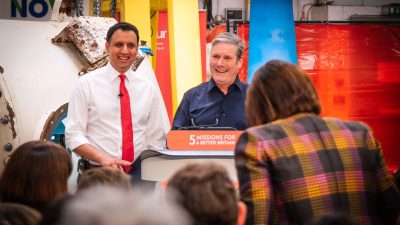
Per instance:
{"type": "Point", "coordinates": [339, 10]}
{"type": "Point", "coordinates": [339, 13]}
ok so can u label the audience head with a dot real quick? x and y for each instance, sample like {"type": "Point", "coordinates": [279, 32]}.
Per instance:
{"type": "Point", "coordinates": [18, 214]}
{"type": "Point", "coordinates": [108, 205]}
{"type": "Point", "coordinates": [52, 214]}
{"type": "Point", "coordinates": [104, 175]}
{"type": "Point", "coordinates": [36, 173]}
{"type": "Point", "coordinates": [279, 90]}
{"type": "Point", "coordinates": [208, 194]}
{"type": "Point", "coordinates": [333, 219]}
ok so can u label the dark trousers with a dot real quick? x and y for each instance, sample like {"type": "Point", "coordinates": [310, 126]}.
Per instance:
{"type": "Point", "coordinates": [136, 173]}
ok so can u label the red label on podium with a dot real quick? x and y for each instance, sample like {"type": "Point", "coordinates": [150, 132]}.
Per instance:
{"type": "Point", "coordinates": [202, 139]}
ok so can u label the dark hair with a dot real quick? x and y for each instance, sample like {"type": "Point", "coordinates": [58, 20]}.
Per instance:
{"type": "Point", "coordinates": [206, 193]}
{"type": "Point", "coordinates": [279, 90]}
{"type": "Point", "coordinates": [104, 176]}
{"type": "Point", "coordinates": [18, 214]}
{"type": "Point", "coordinates": [121, 26]}
{"type": "Point", "coordinates": [53, 213]}
{"type": "Point", "coordinates": [36, 173]}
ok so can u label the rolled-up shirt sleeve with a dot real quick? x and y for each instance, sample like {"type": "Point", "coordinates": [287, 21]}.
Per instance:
{"type": "Point", "coordinates": [77, 117]}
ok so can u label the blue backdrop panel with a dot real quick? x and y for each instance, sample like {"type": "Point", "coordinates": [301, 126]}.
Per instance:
{"type": "Point", "coordinates": [272, 33]}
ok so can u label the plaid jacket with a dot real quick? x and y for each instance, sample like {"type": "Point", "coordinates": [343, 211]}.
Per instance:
{"type": "Point", "coordinates": [304, 166]}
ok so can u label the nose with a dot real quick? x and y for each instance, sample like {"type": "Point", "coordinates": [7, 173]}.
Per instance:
{"type": "Point", "coordinates": [220, 62]}
{"type": "Point", "coordinates": [124, 49]}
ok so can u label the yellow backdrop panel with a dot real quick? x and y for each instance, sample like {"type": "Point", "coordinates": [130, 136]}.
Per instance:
{"type": "Point", "coordinates": [184, 42]}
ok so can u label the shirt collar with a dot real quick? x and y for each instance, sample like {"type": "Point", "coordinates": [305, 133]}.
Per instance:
{"type": "Point", "coordinates": [237, 83]}
{"type": "Point", "coordinates": [113, 74]}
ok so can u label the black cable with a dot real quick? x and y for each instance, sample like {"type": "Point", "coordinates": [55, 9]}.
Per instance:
{"type": "Point", "coordinates": [209, 10]}
{"type": "Point", "coordinates": [208, 7]}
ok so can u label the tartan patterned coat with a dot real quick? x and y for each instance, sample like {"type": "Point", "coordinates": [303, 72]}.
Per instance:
{"type": "Point", "coordinates": [294, 169]}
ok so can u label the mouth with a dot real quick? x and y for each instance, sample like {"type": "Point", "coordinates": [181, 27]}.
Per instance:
{"type": "Point", "coordinates": [124, 58]}
{"type": "Point", "coordinates": [221, 70]}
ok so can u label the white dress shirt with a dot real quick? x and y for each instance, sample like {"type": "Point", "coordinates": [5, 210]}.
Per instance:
{"type": "Point", "coordinates": [94, 115]}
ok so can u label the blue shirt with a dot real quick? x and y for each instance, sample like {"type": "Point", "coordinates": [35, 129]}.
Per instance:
{"type": "Point", "coordinates": [206, 105]}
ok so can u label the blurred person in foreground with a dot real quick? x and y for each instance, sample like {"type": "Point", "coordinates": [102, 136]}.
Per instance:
{"type": "Point", "coordinates": [294, 165]}
{"type": "Point", "coordinates": [52, 214]}
{"type": "Point", "coordinates": [208, 194]}
{"type": "Point", "coordinates": [218, 102]}
{"type": "Point", "coordinates": [36, 174]}
{"type": "Point", "coordinates": [108, 205]}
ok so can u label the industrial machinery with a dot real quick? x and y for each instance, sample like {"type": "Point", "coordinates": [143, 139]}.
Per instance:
{"type": "Point", "coordinates": [35, 82]}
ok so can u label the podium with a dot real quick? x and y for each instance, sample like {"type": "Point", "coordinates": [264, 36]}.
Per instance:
{"type": "Point", "coordinates": [191, 146]}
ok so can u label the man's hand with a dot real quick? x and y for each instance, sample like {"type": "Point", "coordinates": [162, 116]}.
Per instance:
{"type": "Point", "coordinates": [90, 152]}
{"type": "Point", "coordinates": [113, 162]}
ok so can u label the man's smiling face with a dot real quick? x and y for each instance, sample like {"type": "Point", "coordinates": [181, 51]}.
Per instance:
{"type": "Point", "coordinates": [122, 49]}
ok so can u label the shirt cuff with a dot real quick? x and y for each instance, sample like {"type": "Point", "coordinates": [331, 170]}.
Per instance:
{"type": "Point", "coordinates": [74, 142]}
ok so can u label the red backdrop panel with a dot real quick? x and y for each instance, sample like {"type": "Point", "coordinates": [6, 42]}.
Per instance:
{"type": "Point", "coordinates": [356, 69]}
{"type": "Point", "coordinates": [163, 69]}
{"type": "Point", "coordinates": [243, 34]}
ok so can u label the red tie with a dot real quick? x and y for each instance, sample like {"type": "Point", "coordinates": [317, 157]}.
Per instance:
{"type": "Point", "coordinates": [126, 123]}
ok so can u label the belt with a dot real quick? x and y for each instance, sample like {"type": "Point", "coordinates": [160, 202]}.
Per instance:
{"type": "Point", "coordinates": [90, 165]}
{"type": "Point", "coordinates": [84, 164]}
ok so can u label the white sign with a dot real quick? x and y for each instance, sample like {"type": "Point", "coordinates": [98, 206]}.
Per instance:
{"type": "Point", "coordinates": [26, 9]}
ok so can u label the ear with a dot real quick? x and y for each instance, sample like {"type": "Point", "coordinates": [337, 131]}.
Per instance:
{"type": "Point", "coordinates": [240, 61]}
{"type": "Point", "coordinates": [107, 46]}
{"type": "Point", "coordinates": [242, 213]}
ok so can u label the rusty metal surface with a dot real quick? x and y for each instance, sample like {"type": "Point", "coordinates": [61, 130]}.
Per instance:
{"type": "Point", "coordinates": [11, 115]}
{"type": "Point", "coordinates": [8, 131]}
{"type": "Point", "coordinates": [87, 34]}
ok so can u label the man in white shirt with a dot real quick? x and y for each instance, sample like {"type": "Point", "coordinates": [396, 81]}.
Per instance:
{"type": "Point", "coordinates": [93, 125]}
